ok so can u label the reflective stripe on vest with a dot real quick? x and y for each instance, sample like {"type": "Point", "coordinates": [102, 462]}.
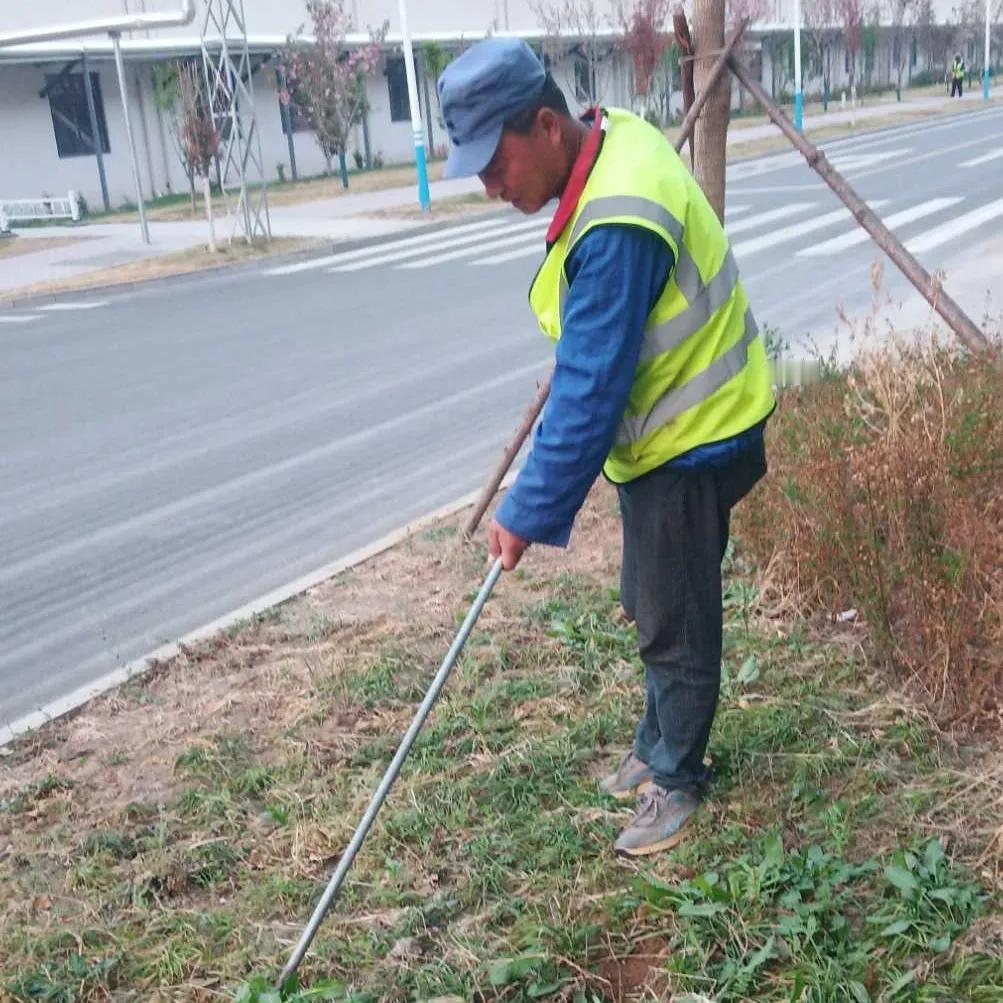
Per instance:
{"type": "Point", "coordinates": [704, 299]}
{"type": "Point", "coordinates": [702, 386]}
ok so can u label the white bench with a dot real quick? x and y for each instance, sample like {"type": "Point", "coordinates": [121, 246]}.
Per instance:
{"type": "Point", "coordinates": [15, 210]}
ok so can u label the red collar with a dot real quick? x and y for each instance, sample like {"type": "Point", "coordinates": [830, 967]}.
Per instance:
{"type": "Point", "coordinates": [579, 175]}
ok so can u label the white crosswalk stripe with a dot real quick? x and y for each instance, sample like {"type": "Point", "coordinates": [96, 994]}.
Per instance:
{"type": "Point", "coordinates": [534, 240]}
{"type": "Point", "coordinates": [984, 159]}
{"type": "Point", "coordinates": [767, 217]}
{"type": "Point", "coordinates": [496, 242]}
{"type": "Point", "coordinates": [67, 307]}
{"type": "Point", "coordinates": [480, 239]}
{"type": "Point", "coordinates": [956, 227]}
{"type": "Point", "coordinates": [420, 240]}
{"type": "Point", "coordinates": [536, 249]}
{"type": "Point", "coordinates": [787, 233]}
{"type": "Point", "coordinates": [24, 318]}
{"type": "Point", "coordinates": [859, 235]}
{"type": "Point", "coordinates": [855, 161]}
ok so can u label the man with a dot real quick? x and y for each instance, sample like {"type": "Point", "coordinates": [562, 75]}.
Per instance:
{"type": "Point", "coordinates": [660, 380]}
{"type": "Point", "coordinates": [957, 76]}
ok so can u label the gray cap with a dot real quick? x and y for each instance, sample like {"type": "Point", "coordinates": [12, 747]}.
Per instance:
{"type": "Point", "coordinates": [478, 92]}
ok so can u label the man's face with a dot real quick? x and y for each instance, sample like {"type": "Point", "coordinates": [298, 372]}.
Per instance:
{"type": "Point", "coordinates": [527, 169]}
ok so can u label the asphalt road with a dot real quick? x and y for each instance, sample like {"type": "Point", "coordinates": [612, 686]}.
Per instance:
{"type": "Point", "coordinates": [173, 452]}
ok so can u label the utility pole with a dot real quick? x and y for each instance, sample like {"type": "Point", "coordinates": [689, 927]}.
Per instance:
{"type": "Point", "coordinates": [416, 124]}
{"type": "Point", "coordinates": [798, 97]}
{"type": "Point", "coordinates": [123, 90]}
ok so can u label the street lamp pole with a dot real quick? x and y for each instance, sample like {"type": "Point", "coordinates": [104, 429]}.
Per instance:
{"type": "Point", "coordinates": [985, 65]}
{"type": "Point", "coordinates": [416, 124]}
{"type": "Point", "coordinates": [798, 97]}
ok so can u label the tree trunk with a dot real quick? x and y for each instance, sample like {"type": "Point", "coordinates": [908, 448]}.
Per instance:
{"type": "Point", "coordinates": [712, 130]}
{"type": "Point", "coordinates": [207, 194]}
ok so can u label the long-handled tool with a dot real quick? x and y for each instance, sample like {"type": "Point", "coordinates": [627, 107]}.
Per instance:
{"type": "Point", "coordinates": [337, 879]}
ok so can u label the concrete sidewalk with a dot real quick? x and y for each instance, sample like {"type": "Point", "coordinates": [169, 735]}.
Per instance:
{"type": "Point", "coordinates": [98, 246]}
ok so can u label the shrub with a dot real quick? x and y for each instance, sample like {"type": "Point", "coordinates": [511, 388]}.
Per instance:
{"type": "Point", "coordinates": [886, 496]}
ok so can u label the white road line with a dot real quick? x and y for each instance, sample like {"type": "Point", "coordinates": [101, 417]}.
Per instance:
{"type": "Point", "coordinates": [520, 252]}
{"type": "Point", "coordinates": [854, 161]}
{"type": "Point", "coordinates": [361, 252]}
{"type": "Point", "coordinates": [768, 217]}
{"type": "Point", "coordinates": [18, 318]}
{"type": "Point", "coordinates": [735, 210]}
{"type": "Point", "coordinates": [958, 226]}
{"type": "Point", "coordinates": [859, 235]}
{"type": "Point", "coordinates": [82, 305]}
{"type": "Point", "coordinates": [984, 159]}
{"type": "Point", "coordinates": [413, 252]}
{"type": "Point", "coordinates": [794, 231]}
{"type": "Point", "coordinates": [535, 240]}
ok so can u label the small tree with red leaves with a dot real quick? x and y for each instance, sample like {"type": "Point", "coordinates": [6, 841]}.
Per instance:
{"type": "Point", "coordinates": [645, 41]}
{"type": "Point", "coordinates": [327, 80]}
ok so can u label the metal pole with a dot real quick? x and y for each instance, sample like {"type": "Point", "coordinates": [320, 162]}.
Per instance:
{"type": "Point", "coordinates": [95, 133]}
{"type": "Point", "coordinates": [334, 885]}
{"type": "Point", "coordinates": [798, 97]}
{"type": "Point", "coordinates": [115, 41]}
{"type": "Point", "coordinates": [287, 124]}
{"type": "Point", "coordinates": [416, 125]}
{"type": "Point", "coordinates": [985, 66]}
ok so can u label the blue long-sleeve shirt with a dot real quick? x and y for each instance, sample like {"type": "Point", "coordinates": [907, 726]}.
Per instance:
{"type": "Point", "coordinates": [616, 273]}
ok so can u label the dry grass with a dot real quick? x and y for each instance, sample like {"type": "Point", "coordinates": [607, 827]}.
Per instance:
{"type": "Point", "coordinates": [290, 193]}
{"type": "Point", "coordinates": [170, 839]}
{"type": "Point", "coordinates": [893, 506]}
{"type": "Point", "coordinates": [179, 263]}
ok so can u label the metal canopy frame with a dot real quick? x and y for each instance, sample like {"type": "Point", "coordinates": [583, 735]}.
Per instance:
{"type": "Point", "coordinates": [228, 75]}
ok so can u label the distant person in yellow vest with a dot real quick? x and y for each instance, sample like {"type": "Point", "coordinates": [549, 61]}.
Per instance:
{"type": "Point", "coordinates": [957, 76]}
{"type": "Point", "coordinates": [660, 381]}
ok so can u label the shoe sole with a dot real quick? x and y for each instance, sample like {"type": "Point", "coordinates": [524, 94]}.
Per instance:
{"type": "Point", "coordinates": [644, 851]}
{"type": "Point", "coordinates": [630, 792]}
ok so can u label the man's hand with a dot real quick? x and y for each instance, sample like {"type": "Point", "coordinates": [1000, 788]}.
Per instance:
{"type": "Point", "coordinates": [506, 545]}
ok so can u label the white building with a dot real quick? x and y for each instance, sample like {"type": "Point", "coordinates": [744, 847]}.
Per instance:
{"type": "Point", "coordinates": [45, 119]}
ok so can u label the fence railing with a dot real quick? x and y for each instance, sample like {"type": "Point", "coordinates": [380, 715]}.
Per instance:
{"type": "Point", "coordinates": [20, 210]}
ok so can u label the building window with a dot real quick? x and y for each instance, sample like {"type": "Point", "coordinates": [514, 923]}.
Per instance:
{"type": "Point", "coordinates": [400, 108]}
{"type": "Point", "coordinates": [71, 121]}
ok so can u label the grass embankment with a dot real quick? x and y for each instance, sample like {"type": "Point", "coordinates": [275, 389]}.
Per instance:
{"type": "Point", "coordinates": [170, 841]}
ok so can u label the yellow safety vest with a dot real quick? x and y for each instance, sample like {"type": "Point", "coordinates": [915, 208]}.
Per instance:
{"type": "Point", "coordinates": [703, 375]}
{"type": "Point", "coordinates": [959, 71]}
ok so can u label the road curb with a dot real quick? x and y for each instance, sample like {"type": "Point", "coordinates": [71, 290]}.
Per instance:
{"type": "Point", "coordinates": [57, 709]}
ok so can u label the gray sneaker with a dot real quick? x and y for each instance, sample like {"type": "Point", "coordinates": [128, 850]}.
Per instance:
{"type": "Point", "coordinates": [659, 822]}
{"type": "Point", "coordinates": [632, 777]}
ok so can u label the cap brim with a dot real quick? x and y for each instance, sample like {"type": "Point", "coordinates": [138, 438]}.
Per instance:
{"type": "Point", "coordinates": [473, 156]}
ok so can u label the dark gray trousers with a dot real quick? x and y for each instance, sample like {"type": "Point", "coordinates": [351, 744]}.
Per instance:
{"type": "Point", "coordinates": [675, 530]}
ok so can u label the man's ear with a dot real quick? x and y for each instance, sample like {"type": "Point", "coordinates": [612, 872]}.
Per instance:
{"type": "Point", "coordinates": [549, 124]}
